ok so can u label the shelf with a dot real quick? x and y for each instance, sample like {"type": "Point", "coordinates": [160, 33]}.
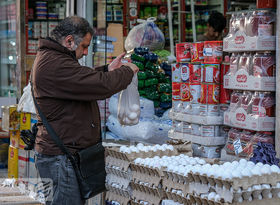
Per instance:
{"type": "Point", "coordinates": [207, 141]}
{"type": "Point", "coordinates": [44, 20]}
{"type": "Point", "coordinates": [196, 119]}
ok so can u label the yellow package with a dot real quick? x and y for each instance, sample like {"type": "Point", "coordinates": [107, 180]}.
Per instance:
{"type": "Point", "coordinates": [14, 138]}
{"type": "Point", "coordinates": [14, 118]}
{"type": "Point", "coordinates": [13, 163]}
{"type": "Point", "coordinates": [25, 121]}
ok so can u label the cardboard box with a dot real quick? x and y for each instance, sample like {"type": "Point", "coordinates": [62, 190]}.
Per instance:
{"type": "Point", "coordinates": [241, 42]}
{"type": "Point", "coordinates": [239, 118]}
{"type": "Point", "coordinates": [32, 172]}
{"type": "Point", "coordinates": [243, 81]}
{"type": "Point", "coordinates": [197, 119]}
{"type": "Point", "coordinates": [14, 138]}
{"type": "Point", "coordinates": [13, 162]}
{"type": "Point", "coordinates": [23, 164]}
{"type": "Point", "coordinates": [197, 139]}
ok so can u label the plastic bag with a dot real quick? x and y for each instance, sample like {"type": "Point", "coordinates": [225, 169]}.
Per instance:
{"type": "Point", "coordinates": [129, 104]}
{"type": "Point", "coordinates": [26, 103]}
{"type": "Point", "coordinates": [146, 34]}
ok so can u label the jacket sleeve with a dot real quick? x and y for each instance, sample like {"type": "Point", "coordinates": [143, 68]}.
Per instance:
{"type": "Point", "coordinates": [102, 68]}
{"type": "Point", "coordinates": [75, 82]}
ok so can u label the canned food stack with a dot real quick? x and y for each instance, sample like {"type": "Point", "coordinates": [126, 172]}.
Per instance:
{"type": "Point", "coordinates": [199, 98]}
{"type": "Point", "coordinates": [251, 75]}
{"type": "Point", "coordinates": [41, 10]}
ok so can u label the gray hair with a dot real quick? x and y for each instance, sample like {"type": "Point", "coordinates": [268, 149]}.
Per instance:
{"type": "Point", "coordinates": [76, 26]}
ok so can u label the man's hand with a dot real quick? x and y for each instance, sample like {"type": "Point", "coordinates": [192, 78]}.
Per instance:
{"type": "Point", "coordinates": [133, 67]}
{"type": "Point", "coordinates": [116, 63]}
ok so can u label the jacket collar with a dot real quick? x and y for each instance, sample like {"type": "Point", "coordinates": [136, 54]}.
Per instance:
{"type": "Point", "coordinates": [49, 43]}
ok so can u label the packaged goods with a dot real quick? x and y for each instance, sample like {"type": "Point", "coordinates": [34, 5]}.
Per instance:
{"type": "Point", "coordinates": [210, 131]}
{"type": "Point", "coordinates": [209, 110]}
{"type": "Point", "coordinates": [210, 93]}
{"type": "Point", "coordinates": [206, 151]}
{"type": "Point", "coordinates": [234, 59]}
{"type": "Point", "coordinates": [195, 73]}
{"type": "Point", "coordinates": [164, 98]}
{"type": "Point", "coordinates": [266, 4]}
{"type": "Point", "coordinates": [176, 73]}
{"type": "Point", "coordinates": [195, 91]}
{"type": "Point", "coordinates": [146, 34]}
{"type": "Point", "coordinates": [139, 65]}
{"type": "Point", "coordinates": [245, 63]}
{"type": "Point", "coordinates": [151, 81]}
{"type": "Point", "coordinates": [129, 104]}
{"type": "Point", "coordinates": [141, 51]}
{"type": "Point", "coordinates": [185, 92]}
{"type": "Point", "coordinates": [164, 87]}
{"type": "Point", "coordinates": [197, 52]}
{"type": "Point", "coordinates": [142, 75]}
{"type": "Point", "coordinates": [196, 129]}
{"type": "Point", "coordinates": [183, 53]}
{"type": "Point", "coordinates": [263, 104]}
{"type": "Point", "coordinates": [185, 72]}
{"type": "Point", "coordinates": [137, 57]}
{"type": "Point", "coordinates": [176, 91]}
{"type": "Point", "coordinates": [263, 64]}
{"type": "Point", "coordinates": [211, 73]}
{"type": "Point", "coordinates": [235, 100]}
{"type": "Point", "coordinates": [224, 95]}
{"type": "Point", "coordinates": [213, 52]}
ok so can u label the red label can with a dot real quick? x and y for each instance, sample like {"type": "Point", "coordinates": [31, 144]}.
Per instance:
{"type": "Point", "coordinates": [185, 72]}
{"type": "Point", "coordinates": [197, 52]}
{"type": "Point", "coordinates": [224, 70]}
{"type": "Point", "coordinates": [213, 51]}
{"type": "Point", "coordinates": [195, 73]}
{"type": "Point", "coordinates": [183, 53]}
{"type": "Point", "coordinates": [211, 73]}
{"type": "Point", "coordinates": [224, 95]}
{"type": "Point", "coordinates": [176, 95]}
{"type": "Point", "coordinates": [195, 90]}
{"type": "Point", "coordinates": [210, 93]}
{"type": "Point", "coordinates": [185, 92]}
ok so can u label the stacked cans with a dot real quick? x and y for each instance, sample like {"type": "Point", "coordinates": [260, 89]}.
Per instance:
{"type": "Point", "coordinates": [41, 10]}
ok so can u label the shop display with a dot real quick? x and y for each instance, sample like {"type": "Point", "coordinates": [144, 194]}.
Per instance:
{"type": "Point", "coordinates": [251, 31]}
{"type": "Point", "coordinates": [251, 74]}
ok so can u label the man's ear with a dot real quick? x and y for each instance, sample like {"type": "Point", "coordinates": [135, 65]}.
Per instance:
{"type": "Point", "coordinates": [69, 42]}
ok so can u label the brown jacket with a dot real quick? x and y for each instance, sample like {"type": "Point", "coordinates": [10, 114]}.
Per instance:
{"type": "Point", "coordinates": [67, 92]}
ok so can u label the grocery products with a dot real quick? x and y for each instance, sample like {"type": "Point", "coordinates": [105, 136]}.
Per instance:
{"type": "Point", "coordinates": [213, 51]}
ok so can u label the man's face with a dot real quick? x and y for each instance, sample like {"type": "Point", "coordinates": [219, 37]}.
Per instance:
{"type": "Point", "coordinates": [82, 49]}
{"type": "Point", "coordinates": [212, 33]}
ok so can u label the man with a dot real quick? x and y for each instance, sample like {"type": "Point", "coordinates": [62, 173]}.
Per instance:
{"type": "Point", "coordinates": [67, 93]}
{"type": "Point", "coordinates": [215, 26]}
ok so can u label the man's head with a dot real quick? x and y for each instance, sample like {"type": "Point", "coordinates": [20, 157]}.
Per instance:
{"type": "Point", "coordinates": [216, 25]}
{"type": "Point", "coordinates": [74, 33]}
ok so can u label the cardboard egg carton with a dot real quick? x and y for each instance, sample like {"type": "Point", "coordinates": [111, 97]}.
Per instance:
{"type": "Point", "coordinates": [122, 192]}
{"type": "Point", "coordinates": [111, 196]}
{"type": "Point", "coordinates": [118, 172]}
{"type": "Point", "coordinates": [182, 146]}
{"type": "Point", "coordinates": [241, 80]}
{"type": "Point", "coordinates": [194, 199]}
{"type": "Point", "coordinates": [114, 152]}
{"type": "Point", "coordinates": [111, 161]}
{"type": "Point", "coordinates": [122, 182]}
{"type": "Point", "coordinates": [197, 119]}
{"type": "Point", "coordinates": [144, 193]}
{"type": "Point", "coordinates": [241, 42]}
{"type": "Point", "coordinates": [140, 173]}
{"type": "Point", "coordinates": [208, 141]}
{"type": "Point", "coordinates": [177, 198]}
{"type": "Point", "coordinates": [240, 119]}
{"type": "Point", "coordinates": [176, 181]}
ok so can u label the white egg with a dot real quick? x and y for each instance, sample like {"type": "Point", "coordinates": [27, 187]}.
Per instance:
{"type": "Point", "coordinates": [137, 160]}
{"type": "Point", "coordinates": [243, 161]}
{"type": "Point", "coordinates": [170, 147]}
{"type": "Point", "coordinates": [246, 172]}
{"type": "Point", "coordinates": [235, 163]}
{"type": "Point", "coordinates": [256, 171]}
{"type": "Point", "coordinates": [227, 164]}
{"type": "Point", "coordinates": [127, 151]}
{"type": "Point", "coordinates": [139, 145]}
{"type": "Point", "coordinates": [236, 174]}
{"type": "Point", "coordinates": [259, 164]}
{"type": "Point", "coordinates": [266, 186]}
{"type": "Point", "coordinates": [257, 187]}
{"type": "Point", "coordinates": [275, 169]}
{"type": "Point", "coordinates": [217, 198]}
{"type": "Point", "coordinates": [211, 196]}
{"type": "Point", "coordinates": [265, 170]}
{"type": "Point", "coordinates": [201, 161]}
{"type": "Point", "coordinates": [250, 164]}
{"type": "Point", "coordinates": [227, 175]}
{"type": "Point", "coordinates": [135, 108]}
{"type": "Point", "coordinates": [132, 116]}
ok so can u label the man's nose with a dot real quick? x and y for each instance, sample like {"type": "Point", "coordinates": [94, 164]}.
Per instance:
{"type": "Point", "coordinates": [85, 52]}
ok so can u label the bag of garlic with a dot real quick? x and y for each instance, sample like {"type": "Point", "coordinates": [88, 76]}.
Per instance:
{"type": "Point", "coordinates": [129, 104]}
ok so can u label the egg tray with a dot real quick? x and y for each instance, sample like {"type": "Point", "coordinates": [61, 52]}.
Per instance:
{"type": "Point", "coordinates": [236, 183]}
{"type": "Point", "coordinates": [118, 172]}
{"type": "Point", "coordinates": [111, 196]}
{"type": "Point", "coordinates": [111, 178]}
{"type": "Point", "coordinates": [197, 200]}
{"type": "Point", "coordinates": [114, 152]}
{"type": "Point", "coordinates": [145, 174]}
{"type": "Point", "coordinates": [178, 198]}
{"type": "Point", "coordinates": [122, 192]}
{"type": "Point", "coordinates": [111, 161]}
{"type": "Point", "coordinates": [172, 180]}
{"type": "Point", "coordinates": [144, 193]}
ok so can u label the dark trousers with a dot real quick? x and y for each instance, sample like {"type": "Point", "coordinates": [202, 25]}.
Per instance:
{"type": "Point", "coordinates": [65, 186]}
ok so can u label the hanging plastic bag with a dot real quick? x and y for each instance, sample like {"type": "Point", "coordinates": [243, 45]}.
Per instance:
{"type": "Point", "coordinates": [129, 104]}
{"type": "Point", "coordinates": [26, 103]}
{"type": "Point", "coordinates": [146, 34]}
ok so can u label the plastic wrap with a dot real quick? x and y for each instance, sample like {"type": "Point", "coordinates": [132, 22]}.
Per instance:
{"type": "Point", "coordinates": [26, 103]}
{"type": "Point", "coordinates": [146, 34]}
